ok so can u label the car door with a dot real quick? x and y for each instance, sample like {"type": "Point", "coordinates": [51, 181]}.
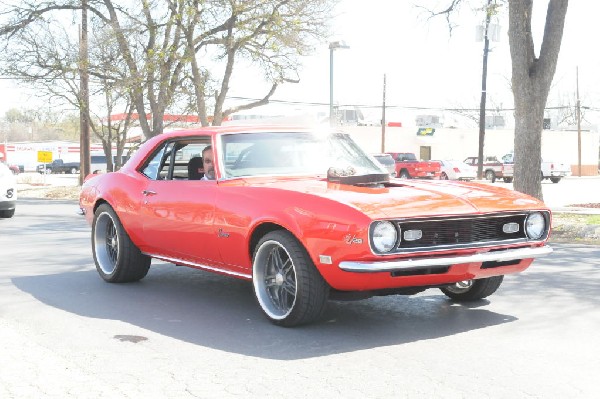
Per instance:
{"type": "Point", "coordinates": [178, 214]}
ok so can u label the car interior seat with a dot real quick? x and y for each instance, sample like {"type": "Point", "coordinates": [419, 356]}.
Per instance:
{"type": "Point", "coordinates": [195, 168]}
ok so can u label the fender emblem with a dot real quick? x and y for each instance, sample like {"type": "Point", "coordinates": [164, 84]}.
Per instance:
{"type": "Point", "coordinates": [350, 239]}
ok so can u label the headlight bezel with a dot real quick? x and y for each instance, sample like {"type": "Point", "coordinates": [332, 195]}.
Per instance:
{"type": "Point", "coordinates": [540, 230]}
{"type": "Point", "coordinates": [375, 242]}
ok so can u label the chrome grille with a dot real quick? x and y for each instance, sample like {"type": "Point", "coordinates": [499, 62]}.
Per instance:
{"type": "Point", "coordinates": [462, 231]}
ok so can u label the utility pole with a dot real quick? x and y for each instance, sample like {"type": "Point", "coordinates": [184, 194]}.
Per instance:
{"type": "Point", "coordinates": [486, 47]}
{"type": "Point", "coordinates": [578, 124]}
{"type": "Point", "coordinates": [84, 108]}
{"type": "Point", "coordinates": [383, 118]}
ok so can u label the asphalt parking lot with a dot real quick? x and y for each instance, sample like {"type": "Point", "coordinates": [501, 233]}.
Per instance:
{"type": "Point", "coordinates": [186, 333]}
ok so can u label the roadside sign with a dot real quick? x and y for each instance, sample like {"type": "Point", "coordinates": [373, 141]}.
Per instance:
{"type": "Point", "coordinates": [44, 156]}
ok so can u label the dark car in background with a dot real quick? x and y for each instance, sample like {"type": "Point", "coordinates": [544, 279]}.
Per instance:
{"type": "Point", "coordinates": [387, 161]}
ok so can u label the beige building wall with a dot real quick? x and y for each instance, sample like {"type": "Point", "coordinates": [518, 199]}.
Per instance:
{"type": "Point", "coordinates": [461, 143]}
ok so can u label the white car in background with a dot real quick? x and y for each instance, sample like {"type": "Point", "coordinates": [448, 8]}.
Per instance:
{"type": "Point", "coordinates": [457, 170]}
{"type": "Point", "coordinates": [8, 192]}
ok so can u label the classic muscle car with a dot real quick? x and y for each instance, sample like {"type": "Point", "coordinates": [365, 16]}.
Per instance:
{"type": "Point", "coordinates": [306, 216]}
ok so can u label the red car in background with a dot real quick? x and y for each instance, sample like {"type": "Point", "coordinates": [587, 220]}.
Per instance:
{"type": "Point", "coordinates": [306, 216]}
{"type": "Point", "coordinates": [14, 169]}
{"type": "Point", "coordinates": [409, 167]}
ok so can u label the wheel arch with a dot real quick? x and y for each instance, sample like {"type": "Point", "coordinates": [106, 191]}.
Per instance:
{"type": "Point", "coordinates": [260, 231]}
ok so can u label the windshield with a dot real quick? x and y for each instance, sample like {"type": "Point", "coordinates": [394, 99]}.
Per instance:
{"type": "Point", "coordinates": [296, 153]}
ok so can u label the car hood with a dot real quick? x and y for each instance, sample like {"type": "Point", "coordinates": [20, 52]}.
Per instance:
{"type": "Point", "coordinates": [408, 198]}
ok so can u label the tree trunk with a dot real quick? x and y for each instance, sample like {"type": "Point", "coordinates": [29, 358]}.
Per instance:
{"type": "Point", "coordinates": [531, 79]}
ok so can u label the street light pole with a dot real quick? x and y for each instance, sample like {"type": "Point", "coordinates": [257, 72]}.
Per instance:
{"type": "Point", "coordinates": [333, 46]}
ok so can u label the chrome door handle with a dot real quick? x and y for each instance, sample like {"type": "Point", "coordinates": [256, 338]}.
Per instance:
{"type": "Point", "coordinates": [148, 192]}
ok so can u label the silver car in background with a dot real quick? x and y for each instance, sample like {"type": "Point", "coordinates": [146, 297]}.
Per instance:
{"type": "Point", "coordinates": [387, 161]}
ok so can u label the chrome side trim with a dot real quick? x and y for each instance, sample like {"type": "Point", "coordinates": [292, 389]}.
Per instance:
{"type": "Point", "coordinates": [199, 266]}
{"type": "Point", "coordinates": [413, 264]}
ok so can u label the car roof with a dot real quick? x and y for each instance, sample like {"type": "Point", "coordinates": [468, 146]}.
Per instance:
{"type": "Point", "coordinates": [218, 130]}
{"type": "Point", "coordinates": [214, 130]}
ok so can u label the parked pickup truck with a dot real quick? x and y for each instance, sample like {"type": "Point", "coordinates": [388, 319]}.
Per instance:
{"type": "Point", "coordinates": [59, 166]}
{"type": "Point", "coordinates": [492, 167]}
{"type": "Point", "coordinates": [409, 167]}
{"type": "Point", "coordinates": [552, 170]}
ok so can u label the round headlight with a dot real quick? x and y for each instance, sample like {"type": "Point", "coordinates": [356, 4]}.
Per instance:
{"type": "Point", "coordinates": [384, 236]}
{"type": "Point", "coordinates": [535, 226]}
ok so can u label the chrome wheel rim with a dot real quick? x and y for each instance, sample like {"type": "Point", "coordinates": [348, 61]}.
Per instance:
{"type": "Point", "coordinates": [274, 279]}
{"type": "Point", "coordinates": [106, 243]}
{"type": "Point", "coordinates": [460, 287]}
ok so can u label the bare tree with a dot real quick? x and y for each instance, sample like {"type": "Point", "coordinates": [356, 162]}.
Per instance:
{"type": "Point", "coordinates": [531, 80]}
{"type": "Point", "coordinates": [47, 58]}
{"type": "Point", "coordinates": [165, 48]}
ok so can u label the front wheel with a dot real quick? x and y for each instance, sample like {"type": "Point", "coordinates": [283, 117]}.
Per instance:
{"type": "Point", "coordinates": [508, 180]}
{"type": "Point", "coordinates": [287, 285]}
{"type": "Point", "coordinates": [444, 176]}
{"type": "Point", "coordinates": [74, 171]}
{"type": "Point", "coordinates": [117, 258]}
{"type": "Point", "coordinates": [490, 175]}
{"type": "Point", "coordinates": [404, 175]}
{"type": "Point", "coordinates": [472, 290]}
{"type": "Point", "coordinates": [555, 179]}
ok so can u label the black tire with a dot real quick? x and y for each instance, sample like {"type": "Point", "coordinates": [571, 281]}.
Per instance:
{"type": "Point", "coordinates": [555, 179]}
{"type": "Point", "coordinates": [508, 180]}
{"type": "Point", "coordinates": [404, 174]}
{"type": "Point", "coordinates": [74, 171]}
{"type": "Point", "coordinates": [490, 175]}
{"type": "Point", "coordinates": [443, 176]}
{"type": "Point", "coordinates": [473, 290]}
{"type": "Point", "coordinates": [5, 214]}
{"type": "Point", "coordinates": [117, 258]}
{"type": "Point", "coordinates": [289, 288]}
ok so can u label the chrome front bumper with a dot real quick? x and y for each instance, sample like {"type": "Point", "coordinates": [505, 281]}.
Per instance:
{"type": "Point", "coordinates": [413, 264]}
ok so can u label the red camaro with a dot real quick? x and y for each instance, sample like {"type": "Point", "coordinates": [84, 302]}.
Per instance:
{"type": "Point", "coordinates": [306, 215]}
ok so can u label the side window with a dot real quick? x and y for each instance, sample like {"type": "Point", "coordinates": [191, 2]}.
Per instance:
{"type": "Point", "coordinates": [171, 161]}
{"type": "Point", "coordinates": [157, 168]}
{"type": "Point", "coordinates": [184, 153]}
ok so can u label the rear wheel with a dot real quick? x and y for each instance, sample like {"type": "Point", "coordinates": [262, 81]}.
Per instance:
{"type": "Point", "coordinates": [74, 171]}
{"type": "Point", "coordinates": [444, 176]}
{"type": "Point", "coordinates": [472, 290]}
{"type": "Point", "coordinates": [404, 174]}
{"type": "Point", "coordinates": [508, 180]}
{"type": "Point", "coordinates": [490, 175]}
{"type": "Point", "coordinates": [117, 258]}
{"type": "Point", "coordinates": [555, 179]}
{"type": "Point", "coordinates": [287, 285]}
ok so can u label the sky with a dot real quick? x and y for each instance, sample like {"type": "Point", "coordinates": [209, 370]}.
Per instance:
{"type": "Point", "coordinates": [424, 65]}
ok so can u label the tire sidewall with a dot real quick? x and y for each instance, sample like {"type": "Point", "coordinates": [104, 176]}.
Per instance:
{"type": "Point", "coordinates": [105, 209]}
{"type": "Point", "coordinates": [306, 275]}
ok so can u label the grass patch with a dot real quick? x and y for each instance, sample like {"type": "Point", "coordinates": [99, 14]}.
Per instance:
{"type": "Point", "coordinates": [576, 218]}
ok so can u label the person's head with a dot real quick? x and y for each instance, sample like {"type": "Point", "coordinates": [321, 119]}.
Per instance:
{"type": "Point", "coordinates": [208, 162]}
